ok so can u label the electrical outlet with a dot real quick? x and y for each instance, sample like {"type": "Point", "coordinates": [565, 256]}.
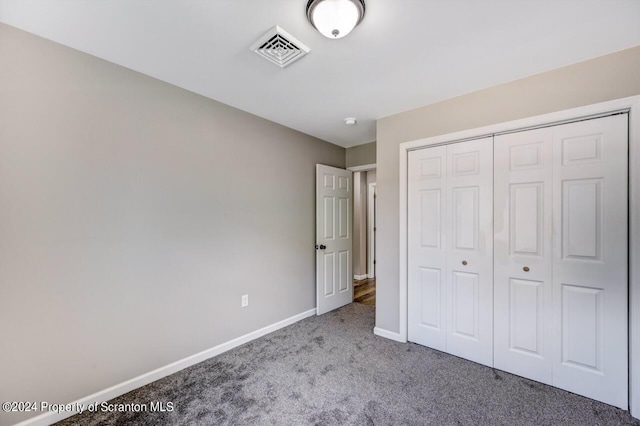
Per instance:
{"type": "Point", "coordinates": [245, 301]}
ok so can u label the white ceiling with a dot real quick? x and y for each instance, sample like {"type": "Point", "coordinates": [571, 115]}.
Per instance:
{"type": "Point", "coordinates": [405, 54]}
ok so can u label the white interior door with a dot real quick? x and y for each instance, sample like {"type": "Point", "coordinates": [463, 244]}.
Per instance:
{"type": "Point", "coordinates": [522, 254]}
{"type": "Point", "coordinates": [334, 218]}
{"type": "Point", "coordinates": [590, 207]}
{"type": "Point", "coordinates": [450, 247]}
{"type": "Point", "coordinates": [470, 253]}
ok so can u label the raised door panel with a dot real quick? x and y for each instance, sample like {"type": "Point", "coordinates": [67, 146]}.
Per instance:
{"type": "Point", "coordinates": [465, 211]}
{"type": "Point", "coordinates": [329, 180]}
{"type": "Point", "coordinates": [344, 215]}
{"type": "Point", "coordinates": [590, 258]}
{"type": "Point", "coordinates": [582, 214]}
{"type": "Point", "coordinates": [469, 273]}
{"type": "Point", "coordinates": [427, 247]}
{"type": "Point", "coordinates": [329, 280]}
{"type": "Point", "coordinates": [581, 149]}
{"type": "Point", "coordinates": [524, 156]}
{"type": "Point", "coordinates": [430, 168]}
{"type": "Point", "coordinates": [465, 305]}
{"type": "Point", "coordinates": [430, 218]}
{"type": "Point", "coordinates": [525, 317]}
{"type": "Point", "coordinates": [523, 258]}
{"type": "Point", "coordinates": [582, 326]}
{"type": "Point", "coordinates": [344, 183]}
{"type": "Point", "coordinates": [328, 223]}
{"type": "Point", "coordinates": [344, 264]}
{"type": "Point", "coordinates": [465, 163]}
{"type": "Point", "coordinates": [430, 305]}
{"type": "Point", "coordinates": [526, 212]}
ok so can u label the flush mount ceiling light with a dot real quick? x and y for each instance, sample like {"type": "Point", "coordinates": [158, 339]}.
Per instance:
{"type": "Point", "coordinates": [335, 18]}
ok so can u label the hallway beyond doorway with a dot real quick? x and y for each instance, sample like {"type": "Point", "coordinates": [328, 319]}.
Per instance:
{"type": "Point", "coordinates": [364, 291]}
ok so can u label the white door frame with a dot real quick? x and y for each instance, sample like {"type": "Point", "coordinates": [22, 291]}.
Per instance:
{"type": "Point", "coordinates": [371, 243]}
{"type": "Point", "coordinates": [630, 104]}
{"type": "Point", "coordinates": [363, 168]}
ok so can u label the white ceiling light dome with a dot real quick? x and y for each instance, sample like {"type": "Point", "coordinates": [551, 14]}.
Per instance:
{"type": "Point", "coordinates": [335, 18]}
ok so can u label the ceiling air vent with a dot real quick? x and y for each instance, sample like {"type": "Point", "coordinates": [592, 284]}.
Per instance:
{"type": "Point", "coordinates": [279, 47]}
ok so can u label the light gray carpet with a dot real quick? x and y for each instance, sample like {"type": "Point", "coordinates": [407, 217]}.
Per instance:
{"type": "Point", "coordinates": [332, 370]}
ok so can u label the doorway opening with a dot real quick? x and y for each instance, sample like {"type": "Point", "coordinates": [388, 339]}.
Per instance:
{"type": "Point", "coordinates": [364, 219]}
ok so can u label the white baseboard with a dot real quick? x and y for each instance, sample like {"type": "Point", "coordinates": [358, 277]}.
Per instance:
{"type": "Point", "coordinates": [371, 276]}
{"type": "Point", "coordinates": [360, 277]}
{"type": "Point", "coordinates": [144, 379]}
{"type": "Point", "coordinates": [388, 334]}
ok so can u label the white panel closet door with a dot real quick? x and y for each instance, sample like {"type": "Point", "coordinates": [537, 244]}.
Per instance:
{"type": "Point", "coordinates": [590, 258]}
{"type": "Point", "coordinates": [333, 238]}
{"type": "Point", "coordinates": [523, 256]}
{"type": "Point", "coordinates": [470, 250]}
{"type": "Point", "coordinates": [450, 247]}
{"type": "Point", "coordinates": [558, 304]}
{"type": "Point", "coordinates": [427, 219]}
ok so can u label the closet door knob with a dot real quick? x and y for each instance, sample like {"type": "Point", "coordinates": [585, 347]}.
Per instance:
{"type": "Point", "coordinates": [464, 262]}
{"type": "Point", "coordinates": [526, 269]}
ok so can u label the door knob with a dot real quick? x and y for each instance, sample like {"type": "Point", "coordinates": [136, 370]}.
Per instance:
{"type": "Point", "coordinates": [322, 247]}
{"type": "Point", "coordinates": [464, 262]}
{"type": "Point", "coordinates": [526, 269]}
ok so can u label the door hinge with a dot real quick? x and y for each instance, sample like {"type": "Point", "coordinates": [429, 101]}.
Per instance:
{"type": "Point", "coordinates": [374, 262]}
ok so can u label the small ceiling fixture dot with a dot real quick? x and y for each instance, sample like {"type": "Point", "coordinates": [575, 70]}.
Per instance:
{"type": "Point", "coordinates": [350, 121]}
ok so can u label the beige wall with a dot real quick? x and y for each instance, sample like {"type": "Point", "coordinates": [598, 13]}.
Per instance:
{"type": "Point", "coordinates": [361, 155]}
{"type": "Point", "coordinates": [371, 177]}
{"type": "Point", "coordinates": [133, 216]}
{"type": "Point", "coordinates": [609, 77]}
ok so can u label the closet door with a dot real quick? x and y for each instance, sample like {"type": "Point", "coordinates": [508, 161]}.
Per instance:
{"type": "Point", "coordinates": [590, 258]}
{"type": "Point", "coordinates": [469, 280]}
{"type": "Point", "coordinates": [427, 246]}
{"type": "Point", "coordinates": [523, 257]}
{"type": "Point", "coordinates": [450, 249]}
